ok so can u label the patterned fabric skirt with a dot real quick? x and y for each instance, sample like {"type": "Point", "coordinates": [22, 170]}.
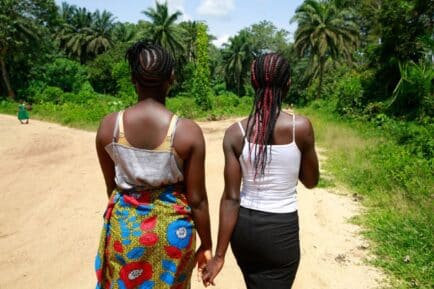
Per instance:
{"type": "Point", "coordinates": [148, 241]}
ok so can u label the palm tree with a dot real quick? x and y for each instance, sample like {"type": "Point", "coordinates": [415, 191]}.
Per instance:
{"type": "Point", "coordinates": [324, 33]}
{"type": "Point", "coordinates": [67, 11]}
{"type": "Point", "coordinates": [100, 38]}
{"type": "Point", "coordinates": [85, 34]}
{"type": "Point", "coordinates": [124, 32]}
{"type": "Point", "coordinates": [237, 56]}
{"type": "Point", "coordinates": [74, 34]}
{"type": "Point", "coordinates": [163, 29]}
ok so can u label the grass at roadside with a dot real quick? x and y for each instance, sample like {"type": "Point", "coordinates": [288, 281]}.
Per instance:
{"type": "Point", "coordinates": [88, 115]}
{"type": "Point", "coordinates": [396, 187]}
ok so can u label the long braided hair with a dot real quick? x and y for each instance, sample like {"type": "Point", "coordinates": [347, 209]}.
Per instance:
{"type": "Point", "coordinates": [150, 64]}
{"type": "Point", "coordinates": [270, 74]}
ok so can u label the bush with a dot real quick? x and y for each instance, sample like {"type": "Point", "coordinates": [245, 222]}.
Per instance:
{"type": "Point", "coordinates": [35, 87]}
{"type": "Point", "coordinates": [349, 95]}
{"type": "Point", "coordinates": [183, 106]}
{"type": "Point", "coordinates": [229, 99]}
{"type": "Point", "coordinates": [121, 73]}
{"type": "Point", "coordinates": [67, 74]}
{"type": "Point", "coordinates": [101, 69]}
{"type": "Point", "coordinates": [219, 88]}
{"type": "Point", "coordinates": [49, 94]}
{"type": "Point", "coordinates": [413, 95]}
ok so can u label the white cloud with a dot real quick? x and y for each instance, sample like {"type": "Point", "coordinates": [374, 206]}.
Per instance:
{"type": "Point", "coordinates": [221, 39]}
{"type": "Point", "coordinates": [218, 8]}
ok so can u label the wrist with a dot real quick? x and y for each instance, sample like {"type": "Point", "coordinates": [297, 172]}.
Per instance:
{"type": "Point", "coordinates": [205, 247]}
{"type": "Point", "coordinates": [219, 256]}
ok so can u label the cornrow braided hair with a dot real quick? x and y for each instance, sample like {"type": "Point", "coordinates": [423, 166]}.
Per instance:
{"type": "Point", "coordinates": [150, 64]}
{"type": "Point", "coordinates": [270, 74]}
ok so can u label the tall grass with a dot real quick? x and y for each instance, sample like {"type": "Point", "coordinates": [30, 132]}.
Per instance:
{"type": "Point", "coordinates": [397, 189]}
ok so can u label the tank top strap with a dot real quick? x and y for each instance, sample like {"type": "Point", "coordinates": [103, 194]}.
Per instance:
{"type": "Point", "coordinates": [241, 128]}
{"type": "Point", "coordinates": [293, 127]}
{"type": "Point", "coordinates": [172, 129]}
{"type": "Point", "coordinates": [119, 126]}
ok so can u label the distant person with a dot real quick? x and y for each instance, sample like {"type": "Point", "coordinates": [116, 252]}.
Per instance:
{"type": "Point", "coordinates": [23, 114]}
{"type": "Point", "coordinates": [269, 151]}
{"type": "Point", "coordinates": [153, 166]}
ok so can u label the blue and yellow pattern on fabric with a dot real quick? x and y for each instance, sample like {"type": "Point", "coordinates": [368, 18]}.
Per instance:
{"type": "Point", "coordinates": [148, 241]}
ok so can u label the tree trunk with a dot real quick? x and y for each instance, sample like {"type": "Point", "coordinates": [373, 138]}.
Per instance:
{"type": "Point", "coordinates": [238, 85]}
{"type": "Point", "coordinates": [321, 75]}
{"type": "Point", "coordinates": [11, 93]}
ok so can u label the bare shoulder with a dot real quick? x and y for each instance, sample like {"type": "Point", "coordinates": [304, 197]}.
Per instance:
{"type": "Point", "coordinates": [188, 129]}
{"type": "Point", "coordinates": [303, 124]}
{"type": "Point", "coordinates": [233, 130]}
{"type": "Point", "coordinates": [304, 135]}
{"type": "Point", "coordinates": [233, 138]}
{"type": "Point", "coordinates": [106, 128]}
{"type": "Point", "coordinates": [188, 138]}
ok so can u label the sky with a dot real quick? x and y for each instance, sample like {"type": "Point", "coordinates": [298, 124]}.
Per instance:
{"type": "Point", "coordinates": [224, 17]}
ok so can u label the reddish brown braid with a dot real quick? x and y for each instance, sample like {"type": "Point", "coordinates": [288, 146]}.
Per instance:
{"type": "Point", "coordinates": [270, 74]}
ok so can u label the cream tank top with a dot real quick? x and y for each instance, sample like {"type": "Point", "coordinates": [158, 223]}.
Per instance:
{"type": "Point", "coordinates": [143, 169]}
{"type": "Point", "coordinates": [275, 191]}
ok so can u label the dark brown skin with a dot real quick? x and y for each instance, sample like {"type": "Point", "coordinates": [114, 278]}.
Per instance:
{"type": "Point", "coordinates": [146, 124]}
{"type": "Point", "coordinates": [230, 201]}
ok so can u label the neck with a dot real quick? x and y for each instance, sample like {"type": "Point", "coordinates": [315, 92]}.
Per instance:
{"type": "Point", "coordinates": [157, 94]}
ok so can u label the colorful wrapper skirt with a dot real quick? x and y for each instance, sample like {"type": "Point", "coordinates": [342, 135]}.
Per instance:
{"type": "Point", "coordinates": [147, 242]}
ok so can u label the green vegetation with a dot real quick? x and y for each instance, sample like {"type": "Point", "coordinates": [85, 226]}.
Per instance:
{"type": "Point", "coordinates": [325, 34]}
{"type": "Point", "coordinates": [389, 165]}
{"type": "Point", "coordinates": [200, 88]}
{"type": "Point", "coordinates": [365, 68]}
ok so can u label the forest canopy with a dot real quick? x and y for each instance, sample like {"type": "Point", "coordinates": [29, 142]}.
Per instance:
{"type": "Point", "coordinates": [366, 57]}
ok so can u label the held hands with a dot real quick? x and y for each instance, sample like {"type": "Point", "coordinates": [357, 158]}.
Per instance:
{"type": "Point", "coordinates": [212, 268]}
{"type": "Point", "coordinates": [203, 256]}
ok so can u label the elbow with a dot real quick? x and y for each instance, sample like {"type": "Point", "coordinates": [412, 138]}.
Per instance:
{"type": "Point", "coordinates": [232, 198]}
{"type": "Point", "coordinates": [198, 203]}
{"type": "Point", "coordinates": [310, 185]}
{"type": "Point", "coordinates": [311, 181]}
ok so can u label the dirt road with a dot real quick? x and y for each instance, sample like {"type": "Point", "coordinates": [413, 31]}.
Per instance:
{"type": "Point", "coordinates": [52, 200]}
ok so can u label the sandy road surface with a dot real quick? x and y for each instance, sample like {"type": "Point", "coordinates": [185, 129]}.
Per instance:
{"type": "Point", "coordinates": [52, 198]}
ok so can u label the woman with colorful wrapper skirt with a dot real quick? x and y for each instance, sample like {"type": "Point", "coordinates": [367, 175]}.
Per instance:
{"type": "Point", "coordinates": [153, 166]}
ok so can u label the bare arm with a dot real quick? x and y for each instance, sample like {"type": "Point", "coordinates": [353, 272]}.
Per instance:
{"type": "Point", "coordinates": [229, 204]}
{"type": "Point", "coordinates": [190, 145]}
{"type": "Point", "coordinates": [194, 178]}
{"type": "Point", "coordinates": [103, 137]}
{"type": "Point", "coordinates": [309, 171]}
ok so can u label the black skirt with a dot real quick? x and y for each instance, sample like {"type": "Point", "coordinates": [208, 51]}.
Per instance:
{"type": "Point", "coordinates": [267, 248]}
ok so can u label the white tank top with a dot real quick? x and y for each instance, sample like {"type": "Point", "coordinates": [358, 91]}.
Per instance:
{"type": "Point", "coordinates": [275, 191]}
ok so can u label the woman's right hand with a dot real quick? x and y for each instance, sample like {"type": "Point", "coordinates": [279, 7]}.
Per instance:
{"type": "Point", "coordinates": [213, 267]}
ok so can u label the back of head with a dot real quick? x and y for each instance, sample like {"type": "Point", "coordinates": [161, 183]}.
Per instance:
{"type": "Point", "coordinates": [270, 74]}
{"type": "Point", "coordinates": [270, 71]}
{"type": "Point", "coordinates": [150, 64]}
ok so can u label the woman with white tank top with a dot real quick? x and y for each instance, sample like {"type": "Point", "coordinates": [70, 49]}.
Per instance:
{"type": "Point", "coordinates": [267, 153]}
